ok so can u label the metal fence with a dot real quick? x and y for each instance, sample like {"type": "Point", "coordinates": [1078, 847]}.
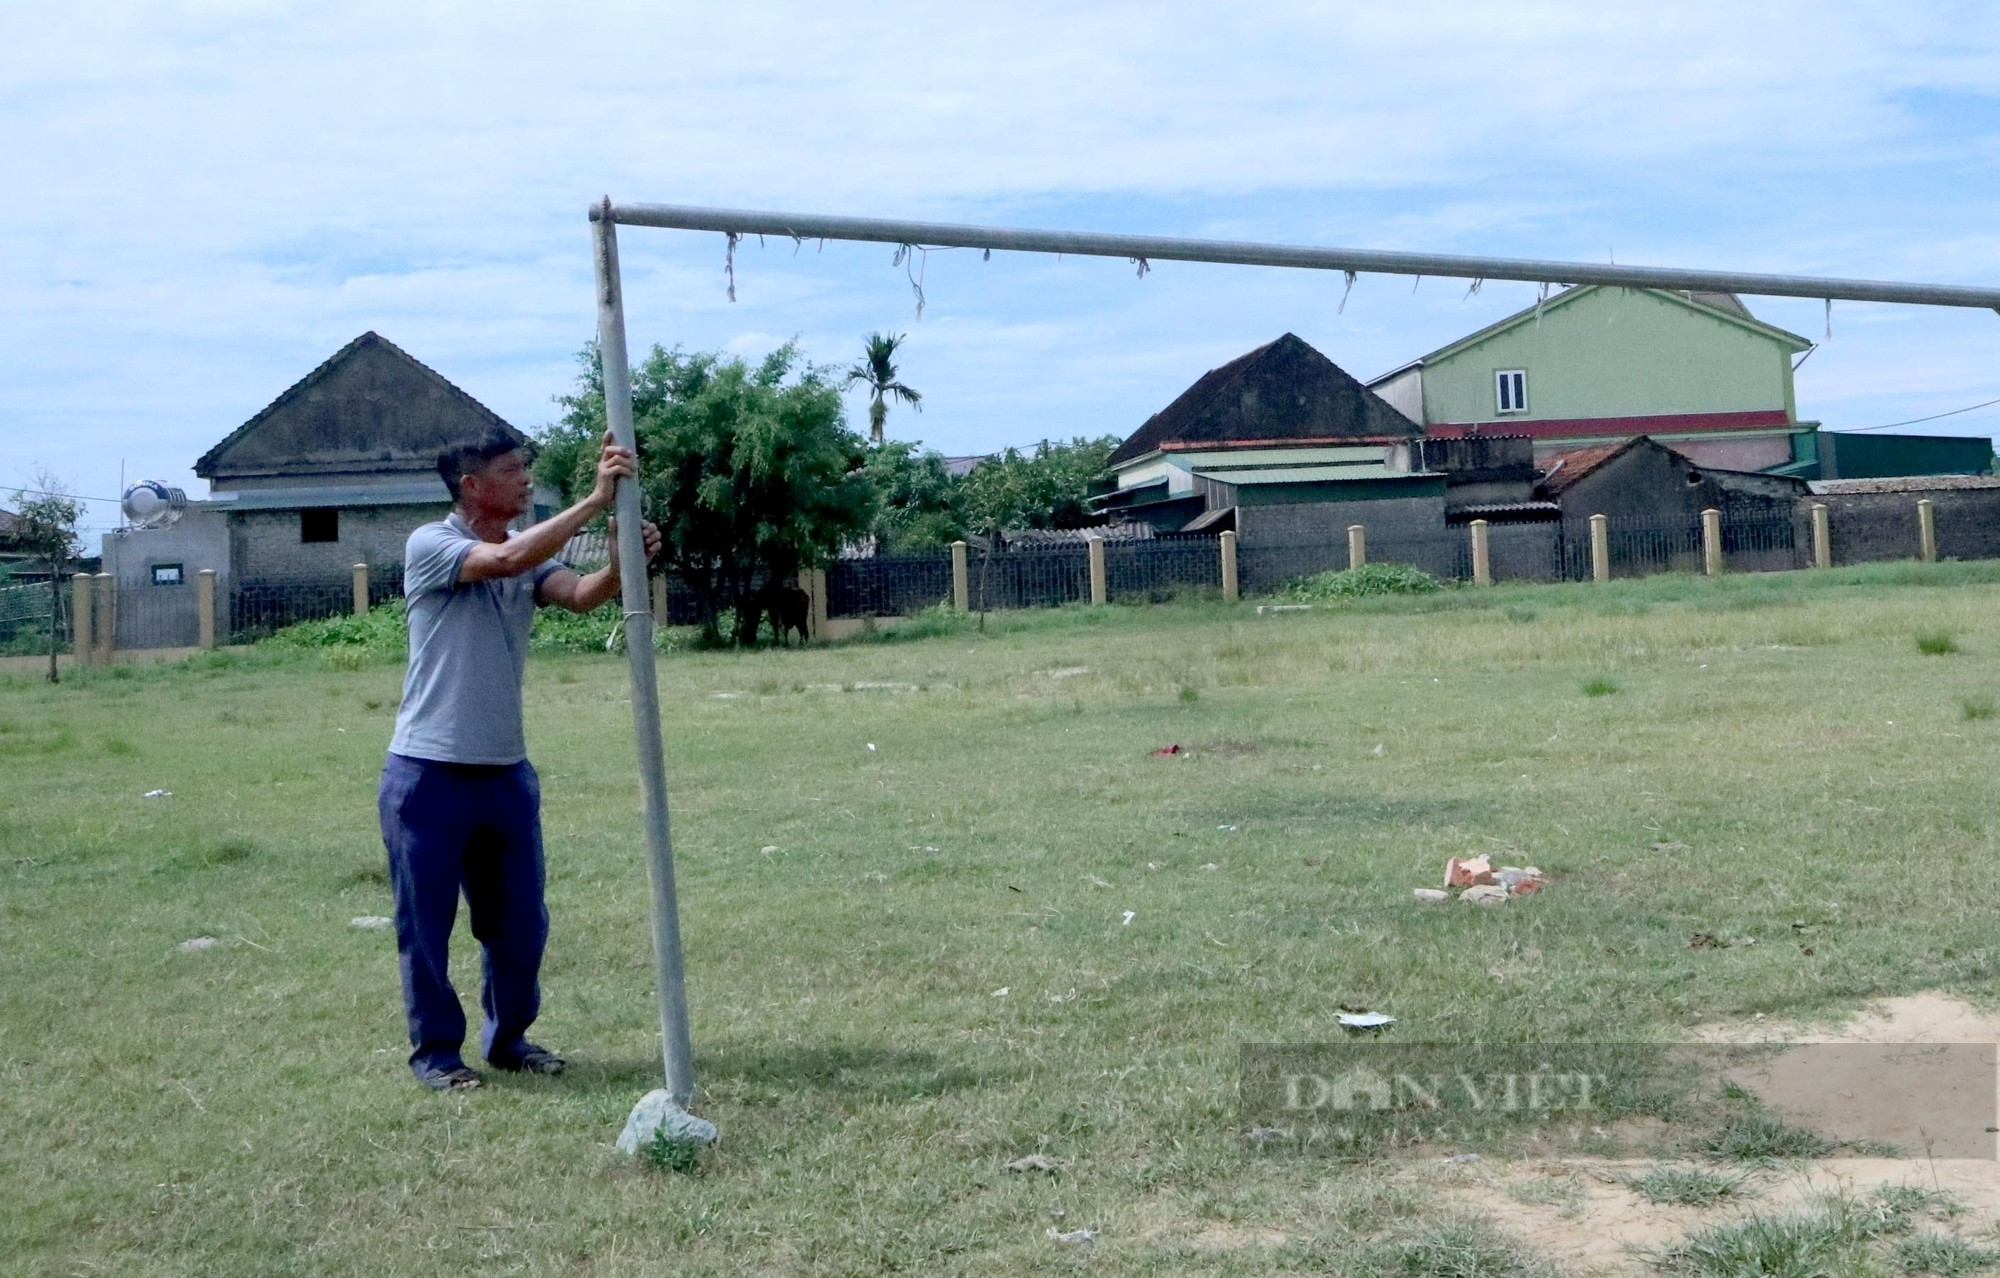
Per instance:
{"type": "Point", "coordinates": [1162, 568]}
{"type": "Point", "coordinates": [24, 618]}
{"type": "Point", "coordinates": [257, 608]}
{"type": "Point", "coordinates": [888, 585]}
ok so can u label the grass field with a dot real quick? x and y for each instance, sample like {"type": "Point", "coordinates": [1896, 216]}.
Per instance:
{"type": "Point", "coordinates": [1822, 747]}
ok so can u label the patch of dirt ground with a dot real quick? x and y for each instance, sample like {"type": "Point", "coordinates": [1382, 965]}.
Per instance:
{"type": "Point", "coordinates": [1580, 1211]}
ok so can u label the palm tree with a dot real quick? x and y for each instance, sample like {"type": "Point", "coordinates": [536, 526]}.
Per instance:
{"type": "Point", "coordinates": [877, 370]}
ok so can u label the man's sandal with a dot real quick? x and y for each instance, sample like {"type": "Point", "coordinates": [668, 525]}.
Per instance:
{"type": "Point", "coordinates": [460, 1079]}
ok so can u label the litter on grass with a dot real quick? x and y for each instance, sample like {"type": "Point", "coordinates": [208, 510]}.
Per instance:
{"type": "Point", "coordinates": [371, 922]}
{"type": "Point", "coordinates": [158, 794]}
{"type": "Point", "coordinates": [1035, 1163]}
{"type": "Point", "coordinates": [1129, 916]}
{"type": "Point", "coordinates": [1166, 750]}
{"type": "Point", "coordinates": [1478, 883]}
{"type": "Point", "coordinates": [1003, 991]}
{"type": "Point", "coordinates": [194, 943]}
{"type": "Point", "coordinates": [1074, 1236]}
{"type": "Point", "coordinates": [1364, 1020]}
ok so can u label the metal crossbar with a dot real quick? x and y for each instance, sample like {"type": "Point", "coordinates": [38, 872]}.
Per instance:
{"type": "Point", "coordinates": [1162, 248]}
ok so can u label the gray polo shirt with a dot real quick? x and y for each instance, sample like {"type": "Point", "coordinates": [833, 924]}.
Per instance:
{"type": "Point", "coordinates": [468, 651]}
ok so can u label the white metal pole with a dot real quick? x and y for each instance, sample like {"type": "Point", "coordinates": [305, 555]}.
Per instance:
{"type": "Point", "coordinates": [1162, 248]}
{"type": "Point", "coordinates": [675, 1040]}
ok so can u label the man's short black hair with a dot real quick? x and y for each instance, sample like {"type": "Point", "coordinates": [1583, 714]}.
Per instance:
{"type": "Point", "coordinates": [470, 457]}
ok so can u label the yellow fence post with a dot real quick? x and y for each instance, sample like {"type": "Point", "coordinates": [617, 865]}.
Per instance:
{"type": "Point", "coordinates": [1229, 588]}
{"type": "Point", "coordinates": [1357, 545]}
{"type": "Point", "coordinates": [204, 608]}
{"type": "Point", "coordinates": [1482, 555]}
{"type": "Point", "coordinates": [816, 590]}
{"type": "Point", "coordinates": [1600, 548]}
{"type": "Point", "coordinates": [360, 590]}
{"type": "Point", "coordinates": [1711, 542]}
{"type": "Point", "coordinates": [658, 597]}
{"type": "Point", "coordinates": [1822, 536]}
{"type": "Point", "coordinates": [82, 625]}
{"type": "Point", "coordinates": [961, 580]}
{"type": "Point", "coordinates": [1926, 531]}
{"type": "Point", "coordinates": [1097, 591]}
{"type": "Point", "coordinates": [107, 618]}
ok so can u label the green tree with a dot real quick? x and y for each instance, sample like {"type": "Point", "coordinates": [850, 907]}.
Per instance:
{"type": "Point", "coordinates": [751, 473]}
{"type": "Point", "coordinates": [876, 369]}
{"type": "Point", "coordinates": [918, 501]}
{"type": "Point", "coordinates": [45, 525]}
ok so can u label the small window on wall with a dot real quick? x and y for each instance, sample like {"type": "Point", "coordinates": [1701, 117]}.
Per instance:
{"type": "Point", "coordinates": [1511, 390]}
{"type": "Point", "coordinates": [167, 574]}
{"type": "Point", "coordinates": [319, 524]}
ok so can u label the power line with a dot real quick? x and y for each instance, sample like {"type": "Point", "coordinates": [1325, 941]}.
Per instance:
{"type": "Point", "coordinates": [1914, 420]}
{"type": "Point", "coordinates": [43, 492]}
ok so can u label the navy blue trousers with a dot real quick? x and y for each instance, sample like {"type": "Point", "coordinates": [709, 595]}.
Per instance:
{"type": "Point", "coordinates": [454, 828]}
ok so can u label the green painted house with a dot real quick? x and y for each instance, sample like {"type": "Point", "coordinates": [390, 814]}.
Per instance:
{"type": "Point", "coordinates": [1598, 364]}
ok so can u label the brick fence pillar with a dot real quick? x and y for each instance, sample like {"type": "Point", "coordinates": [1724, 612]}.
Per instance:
{"type": "Point", "coordinates": [1229, 585]}
{"type": "Point", "coordinates": [107, 618]}
{"type": "Point", "coordinates": [1357, 545]}
{"type": "Point", "coordinates": [1097, 583]}
{"type": "Point", "coordinates": [1926, 531]}
{"type": "Point", "coordinates": [1822, 537]}
{"type": "Point", "coordinates": [82, 619]}
{"type": "Point", "coordinates": [961, 580]}
{"type": "Point", "coordinates": [1482, 554]}
{"type": "Point", "coordinates": [360, 590]}
{"type": "Point", "coordinates": [204, 608]}
{"type": "Point", "coordinates": [1600, 548]}
{"type": "Point", "coordinates": [1711, 542]}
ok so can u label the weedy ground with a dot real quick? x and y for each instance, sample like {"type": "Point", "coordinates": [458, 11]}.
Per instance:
{"type": "Point", "coordinates": [905, 872]}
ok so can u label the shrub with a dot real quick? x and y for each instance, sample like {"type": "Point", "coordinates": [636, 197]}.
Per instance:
{"type": "Point", "coordinates": [1936, 643]}
{"type": "Point", "coordinates": [1363, 582]}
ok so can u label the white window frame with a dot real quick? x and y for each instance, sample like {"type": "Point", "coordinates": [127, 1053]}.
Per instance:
{"type": "Point", "coordinates": [159, 574]}
{"type": "Point", "coordinates": [1500, 391]}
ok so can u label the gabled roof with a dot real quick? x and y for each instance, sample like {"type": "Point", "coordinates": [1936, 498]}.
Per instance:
{"type": "Point", "coordinates": [1567, 468]}
{"type": "Point", "coordinates": [369, 407]}
{"type": "Point", "coordinates": [1282, 391]}
{"type": "Point", "coordinates": [1726, 306]}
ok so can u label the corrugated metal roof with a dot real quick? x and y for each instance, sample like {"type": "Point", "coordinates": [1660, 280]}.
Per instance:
{"type": "Point", "coordinates": [432, 490]}
{"type": "Point", "coordinates": [1904, 484]}
{"type": "Point", "coordinates": [1508, 508]}
{"type": "Point", "coordinates": [1253, 458]}
{"type": "Point", "coordinates": [1307, 474]}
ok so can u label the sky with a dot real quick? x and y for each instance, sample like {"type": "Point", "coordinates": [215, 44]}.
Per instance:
{"type": "Point", "coordinates": [205, 200]}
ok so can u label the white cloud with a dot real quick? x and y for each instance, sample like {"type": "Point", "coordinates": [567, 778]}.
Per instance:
{"type": "Point", "coordinates": [208, 198]}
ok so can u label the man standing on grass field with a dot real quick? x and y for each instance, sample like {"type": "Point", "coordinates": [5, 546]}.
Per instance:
{"type": "Point", "coordinates": [460, 804]}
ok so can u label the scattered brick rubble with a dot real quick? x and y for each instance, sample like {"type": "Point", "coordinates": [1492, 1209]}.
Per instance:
{"type": "Point", "coordinates": [1478, 883]}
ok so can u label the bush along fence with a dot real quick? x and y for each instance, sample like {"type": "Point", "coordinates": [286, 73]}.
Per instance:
{"type": "Point", "coordinates": [102, 618]}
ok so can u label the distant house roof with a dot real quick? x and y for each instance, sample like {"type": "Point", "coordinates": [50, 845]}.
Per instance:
{"type": "Point", "coordinates": [1284, 391]}
{"type": "Point", "coordinates": [1567, 468]}
{"type": "Point", "coordinates": [370, 408]}
{"type": "Point", "coordinates": [959, 467]}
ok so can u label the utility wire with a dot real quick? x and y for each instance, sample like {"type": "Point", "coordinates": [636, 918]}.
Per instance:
{"type": "Point", "coordinates": [1914, 420]}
